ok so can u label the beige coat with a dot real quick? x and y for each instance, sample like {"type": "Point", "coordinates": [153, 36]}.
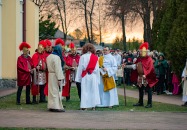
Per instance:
{"type": "Point", "coordinates": [55, 74]}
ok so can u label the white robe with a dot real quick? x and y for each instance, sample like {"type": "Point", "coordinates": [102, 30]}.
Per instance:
{"type": "Point", "coordinates": [109, 98]}
{"type": "Point", "coordinates": [55, 74]}
{"type": "Point", "coordinates": [89, 83]}
{"type": "Point", "coordinates": [184, 97]}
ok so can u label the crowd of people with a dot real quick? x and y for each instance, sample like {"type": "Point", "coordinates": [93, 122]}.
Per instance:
{"type": "Point", "coordinates": [52, 70]}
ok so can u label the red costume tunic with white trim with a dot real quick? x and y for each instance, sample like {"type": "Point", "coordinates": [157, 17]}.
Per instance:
{"type": "Point", "coordinates": [69, 62]}
{"type": "Point", "coordinates": [39, 58]}
{"type": "Point", "coordinates": [24, 64]}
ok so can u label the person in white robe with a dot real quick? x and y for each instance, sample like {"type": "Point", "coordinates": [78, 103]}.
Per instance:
{"type": "Point", "coordinates": [184, 80]}
{"type": "Point", "coordinates": [56, 80]}
{"type": "Point", "coordinates": [89, 80]}
{"type": "Point", "coordinates": [108, 98]}
{"type": "Point", "coordinates": [118, 60]}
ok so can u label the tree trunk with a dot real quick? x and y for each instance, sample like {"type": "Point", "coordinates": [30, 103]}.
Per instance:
{"type": "Point", "coordinates": [123, 30]}
{"type": "Point", "coordinates": [86, 20]}
{"type": "Point", "coordinates": [146, 20]}
{"type": "Point", "coordinates": [63, 28]}
{"type": "Point", "coordinates": [65, 25]}
{"type": "Point", "coordinates": [91, 24]}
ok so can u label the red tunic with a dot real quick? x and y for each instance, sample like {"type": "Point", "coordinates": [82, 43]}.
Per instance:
{"type": "Point", "coordinates": [69, 62]}
{"type": "Point", "coordinates": [148, 69]}
{"type": "Point", "coordinates": [23, 73]}
{"type": "Point", "coordinates": [35, 59]}
{"type": "Point", "coordinates": [46, 86]}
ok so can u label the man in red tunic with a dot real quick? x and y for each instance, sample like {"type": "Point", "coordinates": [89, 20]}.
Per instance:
{"type": "Point", "coordinates": [39, 61]}
{"type": "Point", "coordinates": [72, 61]}
{"type": "Point", "coordinates": [146, 75]}
{"type": "Point", "coordinates": [24, 70]}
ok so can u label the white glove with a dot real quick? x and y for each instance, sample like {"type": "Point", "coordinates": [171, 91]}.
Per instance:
{"type": "Point", "coordinates": [134, 66]}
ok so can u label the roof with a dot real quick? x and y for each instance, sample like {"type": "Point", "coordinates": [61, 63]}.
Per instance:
{"type": "Point", "coordinates": [60, 34]}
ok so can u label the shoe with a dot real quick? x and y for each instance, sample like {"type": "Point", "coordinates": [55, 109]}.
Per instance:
{"type": "Point", "coordinates": [57, 110]}
{"type": "Point", "coordinates": [84, 109]}
{"type": "Point", "coordinates": [43, 101]}
{"type": "Point", "coordinates": [34, 102]}
{"type": "Point", "coordinates": [148, 106]}
{"type": "Point", "coordinates": [184, 105]}
{"type": "Point", "coordinates": [138, 104]}
{"type": "Point", "coordinates": [29, 102]}
{"type": "Point", "coordinates": [93, 108]}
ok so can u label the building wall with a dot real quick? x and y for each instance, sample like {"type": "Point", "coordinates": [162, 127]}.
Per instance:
{"type": "Point", "coordinates": [11, 35]}
{"type": "Point", "coordinates": [0, 39]}
{"type": "Point", "coordinates": [32, 25]}
{"type": "Point", "coordinates": [8, 39]}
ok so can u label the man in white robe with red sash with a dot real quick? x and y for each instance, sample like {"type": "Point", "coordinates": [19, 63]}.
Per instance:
{"type": "Point", "coordinates": [89, 77]}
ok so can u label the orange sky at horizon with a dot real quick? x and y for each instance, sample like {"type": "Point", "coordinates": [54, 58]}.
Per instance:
{"type": "Point", "coordinates": [109, 35]}
{"type": "Point", "coordinates": [109, 29]}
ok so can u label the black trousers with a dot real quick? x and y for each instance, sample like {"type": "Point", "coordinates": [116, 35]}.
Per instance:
{"type": "Point", "coordinates": [78, 89]}
{"type": "Point", "coordinates": [42, 95]}
{"type": "Point", "coordinates": [20, 88]}
{"type": "Point", "coordinates": [160, 84]}
{"type": "Point", "coordinates": [141, 94]}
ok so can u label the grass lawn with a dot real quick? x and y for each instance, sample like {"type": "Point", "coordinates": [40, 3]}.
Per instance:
{"type": "Point", "coordinates": [9, 102]}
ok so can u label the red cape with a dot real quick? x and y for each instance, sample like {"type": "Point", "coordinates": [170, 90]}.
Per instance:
{"type": "Point", "coordinates": [69, 62]}
{"type": "Point", "coordinates": [149, 70]}
{"type": "Point", "coordinates": [23, 73]}
{"type": "Point", "coordinates": [35, 59]}
{"type": "Point", "coordinates": [46, 86]}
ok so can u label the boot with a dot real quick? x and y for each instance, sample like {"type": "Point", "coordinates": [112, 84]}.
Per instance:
{"type": "Point", "coordinates": [34, 100]}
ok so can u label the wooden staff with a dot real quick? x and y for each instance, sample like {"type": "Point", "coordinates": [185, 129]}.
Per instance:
{"type": "Point", "coordinates": [38, 87]}
{"type": "Point", "coordinates": [181, 83]}
{"type": "Point", "coordinates": [124, 87]}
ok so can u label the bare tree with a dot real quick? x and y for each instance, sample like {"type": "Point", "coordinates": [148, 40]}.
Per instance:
{"type": "Point", "coordinates": [41, 4]}
{"type": "Point", "coordinates": [87, 7]}
{"type": "Point", "coordinates": [61, 7]}
{"type": "Point", "coordinates": [118, 11]}
{"type": "Point", "coordinates": [91, 20]}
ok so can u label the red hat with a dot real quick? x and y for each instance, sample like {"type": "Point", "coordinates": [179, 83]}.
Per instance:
{"type": "Point", "coordinates": [24, 44]}
{"type": "Point", "coordinates": [43, 43]}
{"type": "Point", "coordinates": [72, 45]}
{"type": "Point", "coordinates": [59, 41]}
{"type": "Point", "coordinates": [48, 42]}
{"type": "Point", "coordinates": [129, 59]}
{"type": "Point", "coordinates": [144, 45]}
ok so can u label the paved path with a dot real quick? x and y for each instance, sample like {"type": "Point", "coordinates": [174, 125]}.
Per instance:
{"type": "Point", "coordinates": [8, 91]}
{"type": "Point", "coordinates": [93, 119]}
{"type": "Point", "coordinates": [97, 119]}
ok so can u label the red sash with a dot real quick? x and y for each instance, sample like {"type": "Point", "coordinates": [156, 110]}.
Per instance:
{"type": "Point", "coordinates": [91, 65]}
